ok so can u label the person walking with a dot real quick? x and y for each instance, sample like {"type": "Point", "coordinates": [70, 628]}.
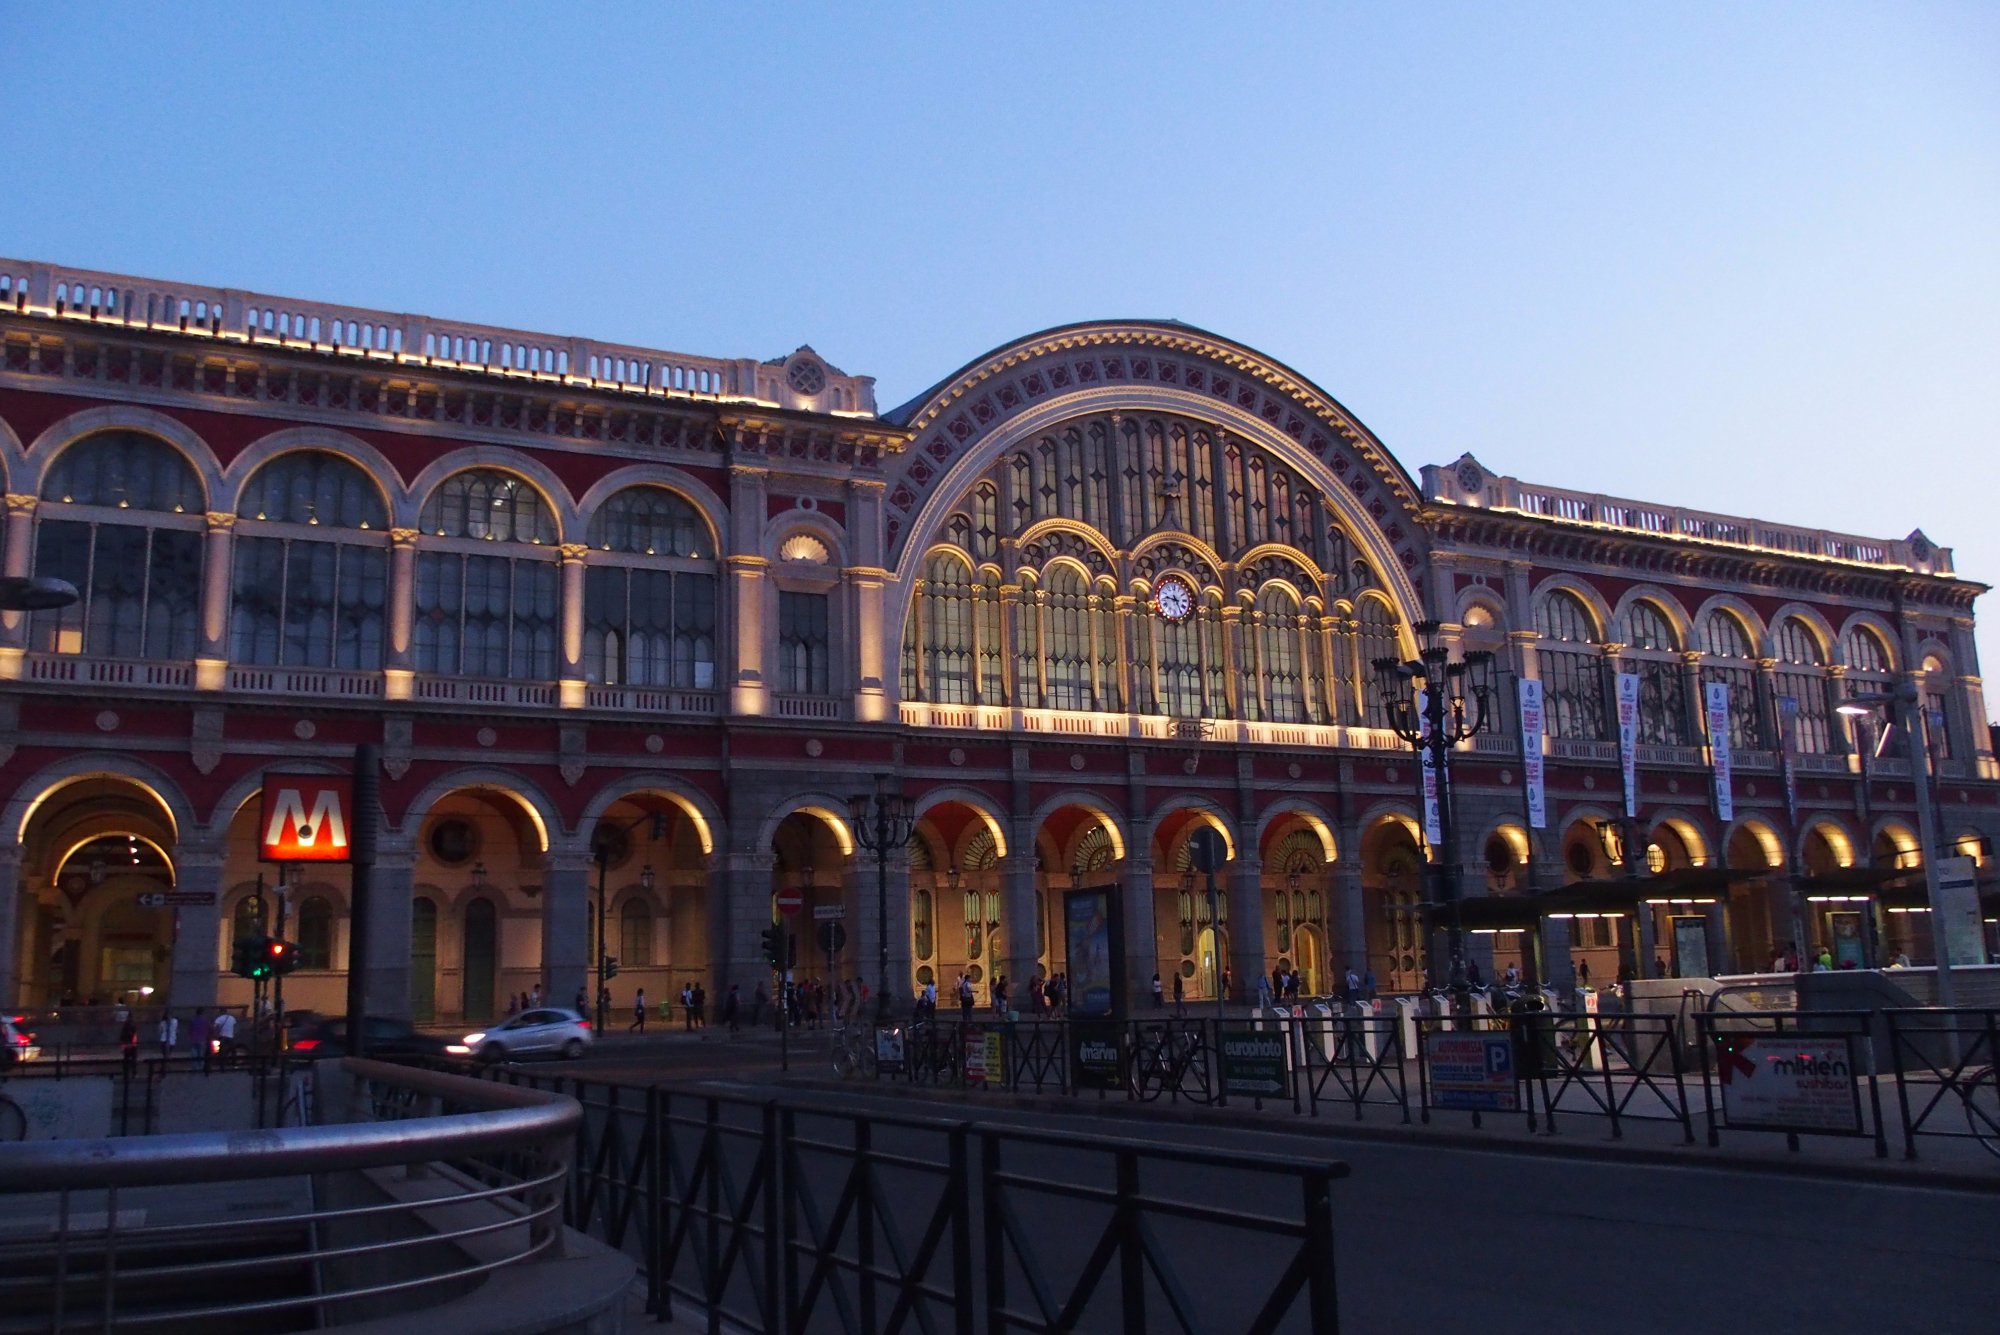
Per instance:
{"type": "Point", "coordinates": [731, 1004]}
{"type": "Point", "coordinates": [699, 998]}
{"type": "Point", "coordinates": [1159, 999]}
{"type": "Point", "coordinates": [582, 1001]}
{"type": "Point", "coordinates": [1263, 993]}
{"type": "Point", "coordinates": [638, 1012]}
{"type": "Point", "coordinates": [198, 1029]}
{"type": "Point", "coordinates": [687, 1007]}
{"type": "Point", "coordinates": [128, 1045]}
{"type": "Point", "coordinates": [1180, 996]}
{"type": "Point", "coordinates": [758, 1000]}
{"type": "Point", "coordinates": [225, 1035]}
{"type": "Point", "coordinates": [964, 998]}
{"type": "Point", "coordinates": [170, 1034]}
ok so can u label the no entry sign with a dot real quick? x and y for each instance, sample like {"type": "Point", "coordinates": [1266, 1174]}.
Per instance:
{"type": "Point", "coordinates": [790, 901]}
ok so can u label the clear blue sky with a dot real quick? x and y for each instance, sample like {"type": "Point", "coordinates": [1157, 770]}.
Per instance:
{"type": "Point", "coordinates": [1745, 257]}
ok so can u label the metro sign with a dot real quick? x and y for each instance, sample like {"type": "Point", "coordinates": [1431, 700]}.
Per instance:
{"type": "Point", "coordinates": [307, 818]}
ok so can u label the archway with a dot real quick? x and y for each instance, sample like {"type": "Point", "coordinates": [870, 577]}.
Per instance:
{"type": "Point", "coordinates": [481, 955]}
{"type": "Point", "coordinates": [1194, 925]}
{"type": "Point", "coordinates": [649, 892]}
{"type": "Point", "coordinates": [957, 915]}
{"type": "Point", "coordinates": [1297, 893]}
{"type": "Point", "coordinates": [1391, 897]}
{"type": "Point", "coordinates": [479, 845]}
{"type": "Point", "coordinates": [812, 852]}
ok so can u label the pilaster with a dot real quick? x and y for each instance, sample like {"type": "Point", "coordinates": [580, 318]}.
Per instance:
{"type": "Point", "coordinates": [196, 959]}
{"type": "Point", "coordinates": [211, 661]}
{"type": "Point", "coordinates": [566, 909]}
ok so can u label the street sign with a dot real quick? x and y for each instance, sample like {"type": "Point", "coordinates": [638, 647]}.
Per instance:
{"type": "Point", "coordinates": [188, 899]}
{"type": "Point", "coordinates": [1473, 1072]}
{"type": "Point", "coordinates": [1254, 1063]}
{"type": "Point", "coordinates": [832, 937]}
{"type": "Point", "coordinates": [152, 900]}
{"type": "Point", "coordinates": [828, 912]}
{"type": "Point", "coordinates": [306, 818]}
{"type": "Point", "coordinates": [790, 900]}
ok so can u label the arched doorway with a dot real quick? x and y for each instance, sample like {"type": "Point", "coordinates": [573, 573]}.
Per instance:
{"type": "Point", "coordinates": [956, 913]}
{"type": "Point", "coordinates": [810, 854]}
{"type": "Point", "coordinates": [481, 954]}
{"type": "Point", "coordinates": [1392, 895]}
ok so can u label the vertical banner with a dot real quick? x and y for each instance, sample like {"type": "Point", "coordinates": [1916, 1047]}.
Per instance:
{"type": "Point", "coordinates": [1716, 696]}
{"type": "Point", "coordinates": [1531, 753]}
{"type": "Point", "coordinates": [1628, 739]}
{"type": "Point", "coordinates": [1788, 745]}
{"type": "Point", "coordinates": [1433, 827]}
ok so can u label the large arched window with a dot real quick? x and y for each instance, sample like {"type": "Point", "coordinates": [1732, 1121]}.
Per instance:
{"type": "Point", "coordinates": [1652, 652]}
{"type": "Point", "coordinates": [122, 518]}
{"type": "Point", "coordinates": [1938, 726]}
{"type": "Point", "coordinates": [1280, 636]}
{"type": "Point", "coordinates": [939, 643]}
{"type": "Point", "coordinates": [1066, 651]}
{"type": "Point", "coordinates": [649, 593]}
{"type": "Point", "coordinates": [310, 590]}
{"type": "Point", "coordinates": [485, 602]}
{"type": "Point", "coordinates": [1803, 679]}
{"type": "Point", "coordinates": [1375, 637]}
{"type": "Point", "coordinates": [1572, 668]}
{"type": "Point", "coordinates": [1725, 649]}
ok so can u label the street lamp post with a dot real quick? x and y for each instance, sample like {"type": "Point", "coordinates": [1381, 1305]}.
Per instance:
{"type": "Point", "coordinates": [1901, 705]}
{"type": "Point", "coordinates": [600, 852]}
{"type": "Point", "coordinates": [882, 825]}
{"type": "Point", "coordinates": [1433, 704]}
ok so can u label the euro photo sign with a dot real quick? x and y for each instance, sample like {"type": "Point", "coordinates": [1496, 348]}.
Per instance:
{"type": "Point", "coordinates": [1094, 940]}
{"type": "Point", "coordinates": [306, 818]}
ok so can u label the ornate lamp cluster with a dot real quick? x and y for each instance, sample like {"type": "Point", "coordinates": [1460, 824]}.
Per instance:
{"type": "Point", "coordinates": [1433, 703]}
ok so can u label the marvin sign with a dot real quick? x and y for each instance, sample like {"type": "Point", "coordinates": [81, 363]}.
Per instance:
{"type": "Point", "coordinates": [306, 818]}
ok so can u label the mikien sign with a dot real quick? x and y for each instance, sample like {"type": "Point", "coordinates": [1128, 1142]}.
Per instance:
{"type": "Point", "coordinates": [306, 818]}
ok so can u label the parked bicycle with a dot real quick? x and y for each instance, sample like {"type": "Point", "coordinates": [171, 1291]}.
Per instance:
{"type": "Point", "coordinates": [853, 1051]}
{"type": "Point", "coordinates": [1171, 1059]}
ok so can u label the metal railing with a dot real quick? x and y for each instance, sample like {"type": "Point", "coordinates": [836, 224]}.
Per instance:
{"type": "Point", "coordinates": [783, 1214]}
{"type": "Point", "coordinates": [294, 1224]}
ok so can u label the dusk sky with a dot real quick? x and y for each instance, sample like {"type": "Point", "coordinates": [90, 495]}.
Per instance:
{"type": "Point", "coordinates": [1739, 257]}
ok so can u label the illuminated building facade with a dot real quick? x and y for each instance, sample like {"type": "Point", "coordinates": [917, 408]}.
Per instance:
{"type": "Point", "coordinates": [1099, 588]}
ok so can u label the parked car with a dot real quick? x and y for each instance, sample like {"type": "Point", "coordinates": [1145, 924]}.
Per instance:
{"type": "Point", "coordinates": [549, 1030]}
{"type": "Point", "coordinates": [16, 1043]}
{"type": "Point", "coordinates": [327, 1037]}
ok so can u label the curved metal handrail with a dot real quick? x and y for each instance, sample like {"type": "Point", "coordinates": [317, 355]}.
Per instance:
{"type": "Point", "coordinates": [514, 1115]}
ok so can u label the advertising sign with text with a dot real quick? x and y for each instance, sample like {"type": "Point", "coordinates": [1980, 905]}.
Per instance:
{"type": "Point", "coordinates": [1628, 738]}
{"type": "Point", "coordinates": [1473, 1072]}
{"type": "Point", "coordinates": [1531, 753]}
{"type": "Point", "coordinates": [1253, 1063]}
{"type": "Point", "coordinates": [1789, 1082]}
{"type": "Point", "coordinates": [1094, 1057]}
{"type": "Point", "coordinates": [1715, 696]}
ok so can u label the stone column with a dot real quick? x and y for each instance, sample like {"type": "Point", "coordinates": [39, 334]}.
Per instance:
{"type": "Point", "coordinates": [17, 557]}
{"type": "Point", "coordinates": [1350, 949]}
{"type": "Point", "coordinates": [864, 926]}
{"type": "Point", "coordinates": [385, 988]}
{"type": "Point", "coordinates": [1018, 911]}
{"type": "Point", "coordinates": [196, 960]}
{"type": "Point", "coordinates": [739, 911]}
{"type": "Point", "coordinates": [876, 646]}
{"type": "Point", "coordinates": [750, 686]}
{"type": "Point", "coordinates": [1142, 940]}
{"type": "Point", "coordinates": [567, 906]}
{"type": "Point", "coordinates": [570, 665]}
{"type": "Point", "coordinates": [211, 655]}
{"type": "Point", "coordinates": [13, 909]}
{"type": "Point", "coordinates": [1246, 925]}
{"type": "Point", "coordinates": [399, 660]}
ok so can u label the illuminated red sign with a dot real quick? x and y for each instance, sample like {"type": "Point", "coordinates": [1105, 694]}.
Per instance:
{"type": "Point", "coordinates": [306, 818]}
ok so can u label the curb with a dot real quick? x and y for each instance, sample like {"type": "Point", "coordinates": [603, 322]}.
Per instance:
{"type": "Point", "coordinates": [1896, 1172]}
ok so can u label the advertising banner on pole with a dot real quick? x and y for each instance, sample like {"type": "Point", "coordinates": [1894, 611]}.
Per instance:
{"type": "Point", "coordinates": [1628, 738]}
{"type": "Point", "coordinates": [1955, 919]}
{"type": "Point", "coordinates": [1531, 753]}
{"type": "Point", "coordinates": [1433, 827]}
{"type": "Point", "coordinates": [1788, 745]}
{"type": "Point", "coordinates": [1789, 1082]}
{"type": "Point", "coordinates": [1255, 1063]}
{"type": "Point", "coordinates": [1716, 696]}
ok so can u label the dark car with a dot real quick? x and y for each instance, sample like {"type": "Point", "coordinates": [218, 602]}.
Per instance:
{"type": "Point", "coordinates": [386, 1038]}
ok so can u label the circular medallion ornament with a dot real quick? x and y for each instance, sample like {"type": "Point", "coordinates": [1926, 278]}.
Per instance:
{"type": "Point", "coordinates": [1590, 781]}
{"type": "Point", "coordinates": [1469, 476]}
{"type": "Point", "coordinates": [1391, 774]}
{"type": "Point", "coordinates": [957, 756]}
{"type": "Point", "coordinates": [304, 730]}
{"type": "Point", "coordinates": [1507, 777]}
{"type": "Point", "coordinates": [655, 743]}
{"type": "Point", "coordinates": [805, 376]}
{"type": "Point", "coordinates": [1750, 790]}
{"type": "Point", "coordinates": [1295, 769]}
{"type": "Point", "coordinates": [1076, 762]}
{"type": "Point", "coordinates": [814, 747]}
{"type": "Point", "coordinates": [1673, 785]}
{"type": "Point", "coordinates": [487, 737]}
{"type": "Point", "coordinates": [107, 720]}
{"type": "Point", "coordinates": [1173, 598]}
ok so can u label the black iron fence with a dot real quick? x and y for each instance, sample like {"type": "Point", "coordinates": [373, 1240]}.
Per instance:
{"type": "Point", "coordinates": [787, 1214]}
{"type": "Point", "coordinates": [1866, 1075]}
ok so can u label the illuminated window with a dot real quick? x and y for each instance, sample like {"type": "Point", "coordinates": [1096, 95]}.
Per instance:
{"type": "Point", "coordinates": [311, 582]}
{"type": "Point", "coordinates": [803, 645]}
{"type": "Point", "coordinates": [488, 504]}
{"type": "Point", "coordinates": [1572, 668]}
{"type": "Point", "coordinates": [650, 521]}
{"type": "Point", "coordinates": [1803, 681]}
{"type": "Point", "coordinates": [1653, 655]}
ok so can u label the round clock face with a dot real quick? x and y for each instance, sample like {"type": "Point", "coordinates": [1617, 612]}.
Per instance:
{"type": "Point", "coordinates": [1174, 599]}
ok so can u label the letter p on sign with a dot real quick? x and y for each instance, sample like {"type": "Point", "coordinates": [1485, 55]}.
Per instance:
{"type": "Point", "coordinates": [306, 818]}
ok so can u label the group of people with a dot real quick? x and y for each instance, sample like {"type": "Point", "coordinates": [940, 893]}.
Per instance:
{"type": "Point", "coordinates": [208, 1036]}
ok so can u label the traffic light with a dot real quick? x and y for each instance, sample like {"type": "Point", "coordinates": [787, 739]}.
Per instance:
{"type": "Point", "coordinates": [774, 946]}
{"type": "Point", "coordinates": [610, 967]}
{"type": "Point", "coordinates": [280, 957]}
{"type": "Point", "coordinates": [246, 956]}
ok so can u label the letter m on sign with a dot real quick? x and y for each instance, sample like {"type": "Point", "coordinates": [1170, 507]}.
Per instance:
{"type": "Point", "coordinates": [306, 818]}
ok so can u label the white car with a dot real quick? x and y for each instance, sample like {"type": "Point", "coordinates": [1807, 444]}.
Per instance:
{"type": "Point", "coordinates": [16, 1043]}
{"type": "Point", "coordinates": [547, 1030]}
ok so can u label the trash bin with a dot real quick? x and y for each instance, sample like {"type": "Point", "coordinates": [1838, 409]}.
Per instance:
{"type": "Point", "coordinates": [1533, 1029]}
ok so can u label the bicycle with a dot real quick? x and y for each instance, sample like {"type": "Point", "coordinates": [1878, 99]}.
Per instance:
{"type": "Point", "coordinates": [853, 1051]}
{"type": "Point", "coordinates": [1166, 1056]}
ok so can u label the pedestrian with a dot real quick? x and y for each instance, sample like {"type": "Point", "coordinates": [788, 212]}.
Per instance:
{"type": "Point", "coordinates": [535, 997]}
{"type": "Point", "coordinates": [1659, 966]}
{"type": "Point", "coordinates": [1158, 1000]}
{"type": "Point", "coordinates": [758, 1000]}
{"type": "Point", "coordinates": [1583, 972]}
{"type": "Point", "coordinates": [120, 1013]}
{"type": "Point", "coordinates": [1368, 984]}
{"type": "Point", "coordinates": [603, 1005]}
{"type": "Point", "coordinates": [1513, 975]}
{"type": "Point", "coordinates": [170, 1034]}
{"type": "Point", "coordinates": [1180, 995]}
{"type": "Point", "coordinates": [1263, 993]}
{"type": "Point", "coordinates": [1228, 982]}
{"type": "Point", "coordinates": [225, 1035]}
{"type": "Point", "coordinates": [582, 1000]}
{"type": "Point", "coordinates": [700, 999]}
{"type": "Point", "coordinates": [128, 1045]}
{"type": "Point", "coordinates": [687, 1007]}
{"type": "Point", "coordinates": [930, 1001]}
{"type": "Point", "coordinates": [638, 1012]}
{"type": "Point", "coordinates": [198, 1038]}
{"type": "Point", "coordinates": [964, 998]}
{"type": "Point", "coordinates": [1472, 974]}
{"type": "Point", "coordinates": [730, 1005]}
{"type": "Point", "coordinates": [1000, 997]}
{"type": "Point", "coordinates": [1353, 991]}
{"type": "Point", "coordinates": [1278, 982]}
